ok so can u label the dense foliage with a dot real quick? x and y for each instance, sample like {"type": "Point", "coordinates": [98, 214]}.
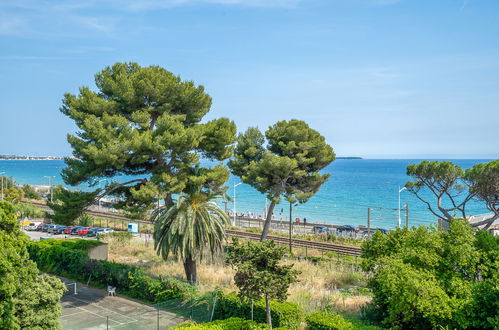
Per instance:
{"type": "Point", "coordinates": [69, 258]}
{"type": "Point", "coordinates": [194, 223]}
{"type": "Point", "coordinates": [286, 162]}
{"type": "Point", "coordinates": [483, 180]}
{"type": "Point", "coordinates": [284, 314]}
{"type": "Point", "coordinates": [30, 192]}
{"type": "Point", "coordinates": [233, 323]}
{"type": "Point", "coordinates": [424, 278]}
{"type": "Point", "coordinates": [451, 188]}
{"type": "Point", "coordinates": [260, 272]}
{"type": "Point", "coordinates": [327, 321]}
{"type": "Point", "coordinates": [145, 122]}
{"type": "Point", "coordinates": [68, 206]}
{"type": "Point", "coordinates": [27, 300]}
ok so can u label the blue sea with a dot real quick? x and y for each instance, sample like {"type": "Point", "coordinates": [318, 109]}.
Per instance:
{"type": "Point", "coordinates": [354, 185]}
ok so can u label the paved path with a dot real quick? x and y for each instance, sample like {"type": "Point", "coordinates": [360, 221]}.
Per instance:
{"type": "Point", "coordinates": [91, 308]}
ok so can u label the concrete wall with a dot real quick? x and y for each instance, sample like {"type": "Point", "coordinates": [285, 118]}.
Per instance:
{"type": "Point", "coordinates": [99, 252]}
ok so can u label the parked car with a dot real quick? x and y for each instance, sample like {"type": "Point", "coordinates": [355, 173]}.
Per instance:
{"type": "Point", "coordinates": [33, 225]}
{"type": "Point", "coordinates": [68, 229]}
{"type": "Point", "coordinates": [50, 228]}
{"type": "Point", "coordinates": [74, 230]}
{"type": "Point", "coordinates": [83, 231]}
{"type": "Point", "coordinates": [59, 229]}
{"type": "Point", "coordinates": [321, 229]}
{"type": "Point", "coordinates": [46, 226]}
{"type": "Point", "coordinates": [346, 228]}
{"type": "Point", "coordinates": [93, 231]}
{"type": "Point", "coordinates": [39, 227]}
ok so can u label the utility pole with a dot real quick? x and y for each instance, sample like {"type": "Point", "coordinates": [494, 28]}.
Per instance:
{"type": "Point", "coordinates": [225, 203]}
{"type": "Point", "coordinates": [1, 177]}
{"type": "Point", "coordinates": [368, 222]}
{"type": "Point", "coordinates": [407, 216]}
{"type": "Point", "coordinates": [50, 187]}
{"type": "Point", "coordinates": [234, 210]}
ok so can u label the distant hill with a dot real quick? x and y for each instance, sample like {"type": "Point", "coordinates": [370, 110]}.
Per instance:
{"type": "Point", "coordinates": [349, 158]}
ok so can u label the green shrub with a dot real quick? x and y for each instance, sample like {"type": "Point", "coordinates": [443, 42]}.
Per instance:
{"type": "Point", "coordinates": [120, 237]}
{"type": "Point", "coordinates": [233, 323]}
{"type": "Point", "coordinates": [69, 258]}
{"type": "Point", "coordinates": [286, 314]}
{"type": "Point", "coordinates": [327, 321]}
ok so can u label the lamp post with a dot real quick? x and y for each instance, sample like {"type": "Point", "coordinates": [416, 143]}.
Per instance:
{"type": "Point", "coordinates": [291, 225]}
{"type": "Point", "coordinates": [400, 190]}
{"type": "Point", "coordinates": [98, 202]}
{"type": "Point", "coordinates": [50, 186]}
{"type": "Point", "coordinates": [234, 209]}
{"type": "Point", "coordinates": [1, 177]}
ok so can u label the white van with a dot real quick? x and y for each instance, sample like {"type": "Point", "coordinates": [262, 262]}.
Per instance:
{"type": "Point", "coordinates": [33, 225]}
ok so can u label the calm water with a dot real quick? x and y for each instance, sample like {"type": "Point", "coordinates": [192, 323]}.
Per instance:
{"type": "Point", "coordinates": [354, 186]}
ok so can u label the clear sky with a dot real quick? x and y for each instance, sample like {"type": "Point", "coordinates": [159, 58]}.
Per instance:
{"type": "Point", "coordinates": [378, 78]}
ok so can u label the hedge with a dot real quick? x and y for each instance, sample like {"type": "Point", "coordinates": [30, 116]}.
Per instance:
{"type": "Point", "coordinates": [327, 321]}
{"type": "Point", "coordinates": [233, 323]}
{"type": "Point", "coordinates": [285, 314]}
{"type": "Point", "coordinates": [69, 258]}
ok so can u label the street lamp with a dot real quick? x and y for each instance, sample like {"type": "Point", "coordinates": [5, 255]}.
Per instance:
{"type": "Point", "coordinates": [400, 190]}
{"type": "Point", "coordinates": [234, 208]}
{"type": "Point", "coordinates": [1, 177]}
{"type": "Point", "coordinates": [98, 201]}
{"type": "Point", "coordinates": [50, 186]}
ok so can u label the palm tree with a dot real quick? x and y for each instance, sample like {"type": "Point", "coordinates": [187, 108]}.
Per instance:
{"type": "Point", "coordinates": [192, 224]}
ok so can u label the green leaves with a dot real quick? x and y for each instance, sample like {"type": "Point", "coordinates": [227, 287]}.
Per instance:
{"type": "Point", "coordinates": [423, 278]}
{"type": "Point", "coordinates": [69, 205]}
{"type": "Point", "coordinates": [192, 224]}
{"type": "Point", "coordinates": [144, 121]}
{"type": "Point", "coordinates": [27, 300]}
{"type": "Point", "coordinates": [484, 183]}
{"type": "Point", "coordinates": [259, 271]}
{"type": "Point", "coordinates": [287, 166]}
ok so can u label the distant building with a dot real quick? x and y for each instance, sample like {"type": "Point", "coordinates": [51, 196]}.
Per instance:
{"type": "Point", "coordinates": [493, 229]}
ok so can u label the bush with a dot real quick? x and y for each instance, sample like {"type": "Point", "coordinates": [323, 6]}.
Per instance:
{"type": "Point", "coordinates": [423, 278]}
{"type": "Point", "coordinates": [286, 314]}
{"type": "Point", "coordinates": [327, 321]}
{"type": "Point", "coordinates": [233, 323]}
{"type": "Point", "coordinates": [70, 259]}
{"type": "Point", "coordinates": [120, 237]}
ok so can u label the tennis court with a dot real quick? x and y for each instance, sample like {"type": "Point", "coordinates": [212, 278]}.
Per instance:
{"type": "Point", "coordinates": [92, 308]}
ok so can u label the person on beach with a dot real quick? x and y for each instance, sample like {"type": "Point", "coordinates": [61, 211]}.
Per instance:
{"type": "Point", "coordinates": [304, 221]}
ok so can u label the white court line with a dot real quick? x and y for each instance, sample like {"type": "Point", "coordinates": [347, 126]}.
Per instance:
{"type": "Point", "coordinates": [72, 313]}
{"type": "Point", "coordinates": [104, 308]}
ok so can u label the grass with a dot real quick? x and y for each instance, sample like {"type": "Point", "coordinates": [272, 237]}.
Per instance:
{"type": "Point", "coordinates": [324, 282]}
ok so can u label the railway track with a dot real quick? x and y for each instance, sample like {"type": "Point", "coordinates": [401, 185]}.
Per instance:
{"type": "Point", "coordinates": [323, 246]}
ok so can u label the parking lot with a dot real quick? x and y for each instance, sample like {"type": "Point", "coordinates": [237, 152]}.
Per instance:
{"type": "Point", "coordinates": [36, 235]}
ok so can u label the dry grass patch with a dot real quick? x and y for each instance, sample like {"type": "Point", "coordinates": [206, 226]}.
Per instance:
{"type": "Point", "coordinates": [318, 286]}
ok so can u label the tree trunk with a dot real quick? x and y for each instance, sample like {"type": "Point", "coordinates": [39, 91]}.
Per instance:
{"type": "Point", "coordinates": [267, 306]}
{"type": "Point", "coordinates": [268, 220]}
{"type": "Point", "coordinates": [168, 200]}
{"type": "Point", "coordinates": [190, 270]}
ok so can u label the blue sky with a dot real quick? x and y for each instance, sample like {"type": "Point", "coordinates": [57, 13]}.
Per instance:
{"type": "Point", "coordinates": [378, 78]}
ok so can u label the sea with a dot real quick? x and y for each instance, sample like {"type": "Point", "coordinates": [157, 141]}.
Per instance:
{"type": "Point", "coordinates": [354, 186]}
